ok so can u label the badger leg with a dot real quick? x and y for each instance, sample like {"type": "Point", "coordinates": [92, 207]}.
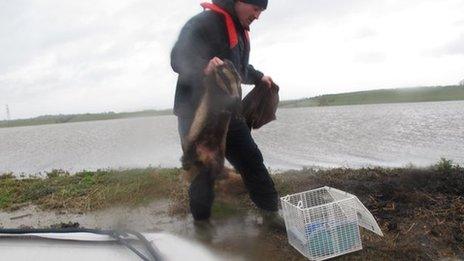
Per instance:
{"type": "Point", "coordinates": [198, 123]}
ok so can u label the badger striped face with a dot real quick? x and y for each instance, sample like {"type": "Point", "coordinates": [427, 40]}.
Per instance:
{"type": "Point", "coordinates": [223, 93]}
{"type": "Point", "coordinates": [228, 79]}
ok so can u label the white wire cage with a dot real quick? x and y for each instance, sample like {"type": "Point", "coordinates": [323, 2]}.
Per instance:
{"type": "Point", "coordinates": [323, 223]}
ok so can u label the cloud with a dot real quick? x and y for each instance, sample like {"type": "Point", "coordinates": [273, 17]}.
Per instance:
{"type": "Point", "coordinates": [101, 55]}
{"type": "Point", "coordinates": [96, 56]}
{"type": "Point", "coordinates": [365, 33]}
{"type": "Point", "coordinates": [370, 57]}
{"type": "Point", "coordinates": [456, 46]}
{"type": "Point", "coordinates": [453, 47]}
{"type": "Point", "coordinates": [459, 23]}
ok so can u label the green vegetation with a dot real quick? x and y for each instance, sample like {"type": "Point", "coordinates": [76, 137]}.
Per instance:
{"type": "Point", "coordinates": [445, 166]}
{"type": "Point", "coordinates": [55, 119]}
{"type": "Point", "coordinates": [419, 94]}
{"type": "Point", "coordinates": [86, 190]}
{"type": "Point", "coordinates": [420, 211]}
{"type": "Point", "coordinates": [91, 190]}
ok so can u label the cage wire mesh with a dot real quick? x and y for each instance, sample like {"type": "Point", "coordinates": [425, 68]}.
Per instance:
{"type": "Point", "coordinates": [322, 223]}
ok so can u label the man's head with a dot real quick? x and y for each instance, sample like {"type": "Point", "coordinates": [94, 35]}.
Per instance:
{"type": "Point", "coordinates": [249, 10]}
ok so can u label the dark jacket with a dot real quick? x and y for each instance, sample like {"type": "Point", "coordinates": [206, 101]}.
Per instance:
{"type": "Point", "coordinates": [203, 37]}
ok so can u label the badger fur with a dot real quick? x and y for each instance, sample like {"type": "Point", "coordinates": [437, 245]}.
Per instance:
{"type": "Point", "coordinates": [204, 144]}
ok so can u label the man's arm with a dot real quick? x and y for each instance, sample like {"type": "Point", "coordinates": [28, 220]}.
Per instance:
{"type": "Point", "coordinates": [254, 76]}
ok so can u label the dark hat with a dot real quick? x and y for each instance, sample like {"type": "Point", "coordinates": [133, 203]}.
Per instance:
{"type": "Point", "coordinates": [260, 3]}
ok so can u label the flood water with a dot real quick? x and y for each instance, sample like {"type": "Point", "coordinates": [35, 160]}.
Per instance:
{"type": "Point", "coordinates": [390, 135]}
{"type": "Point", "coordinates": [218, 239]}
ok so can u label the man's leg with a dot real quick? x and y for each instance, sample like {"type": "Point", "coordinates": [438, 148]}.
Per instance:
{"type": "Point", "coordinates": [201, 194]}
{"type": "Point", "coordinates": [243, 153]}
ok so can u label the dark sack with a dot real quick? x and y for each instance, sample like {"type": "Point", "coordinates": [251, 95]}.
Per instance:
{"type": "Point", "coordinates": [260, 105]}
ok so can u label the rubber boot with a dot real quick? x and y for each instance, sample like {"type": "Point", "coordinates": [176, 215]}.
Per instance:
{"type": "Point", "coordinates": [272, 220]}
{"type": "Point", "coordinates": [204, 230]}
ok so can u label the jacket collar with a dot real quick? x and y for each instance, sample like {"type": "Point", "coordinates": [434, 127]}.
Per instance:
{"type": "Point", "coordinates": [229, 7]}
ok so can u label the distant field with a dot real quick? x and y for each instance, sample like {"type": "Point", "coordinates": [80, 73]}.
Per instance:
{"type": "Point", "coordinates": [419, 94]}
{"type": "Point", "coordinates": [54, 119]}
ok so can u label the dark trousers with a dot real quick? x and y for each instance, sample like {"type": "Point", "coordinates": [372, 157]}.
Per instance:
{"type": "Point", "coordinates": [243, 153]}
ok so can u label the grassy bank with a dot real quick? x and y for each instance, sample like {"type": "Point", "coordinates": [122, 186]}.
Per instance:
{"type": "Point", "coordinates": [420, 211]}
{"type": "Point", "coordinates": [420, 94]}
{"type": "Point", "coordinates": [86, 191]}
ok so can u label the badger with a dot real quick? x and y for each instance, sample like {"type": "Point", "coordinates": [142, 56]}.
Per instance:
{"type": "Point", "coordinates": [204, 145]}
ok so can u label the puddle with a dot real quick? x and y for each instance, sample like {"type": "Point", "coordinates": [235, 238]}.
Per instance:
{"type": "Point", "coordinates": [236, 237]}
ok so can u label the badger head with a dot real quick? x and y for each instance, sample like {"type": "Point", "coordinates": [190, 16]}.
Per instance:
{"type": "Point", "coordinates": [226, 88]}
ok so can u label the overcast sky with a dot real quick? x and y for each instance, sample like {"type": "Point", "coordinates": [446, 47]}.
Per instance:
{"type": "Point", "coordinates": [113, 55]}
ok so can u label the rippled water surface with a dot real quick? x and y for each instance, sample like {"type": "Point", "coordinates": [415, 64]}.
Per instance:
{"type": "Point", "coordinates": [349, 136]}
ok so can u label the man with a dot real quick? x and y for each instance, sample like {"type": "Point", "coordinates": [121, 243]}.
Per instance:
{"type": "Point", "coordinates": [206, 40]}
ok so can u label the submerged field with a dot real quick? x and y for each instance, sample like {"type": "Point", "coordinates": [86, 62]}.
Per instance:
{"type": "Point", "coordinates": [420, 211]}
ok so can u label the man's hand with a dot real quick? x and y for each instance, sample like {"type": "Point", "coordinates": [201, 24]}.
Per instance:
{"type": "Point", "coordinates": [267, 80]}
{"type": "Point", "coordinates": [213, 63]}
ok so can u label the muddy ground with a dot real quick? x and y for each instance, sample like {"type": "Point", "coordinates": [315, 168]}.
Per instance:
{"type": "Point", "coordinates": [420, 211]}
